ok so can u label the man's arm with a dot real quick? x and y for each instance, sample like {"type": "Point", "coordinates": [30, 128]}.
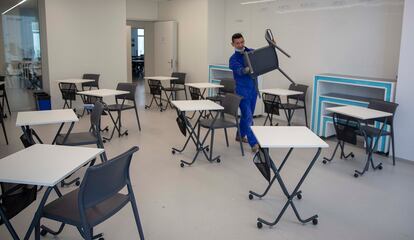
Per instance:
{"type": "Point", "coordinates": [237, 67]}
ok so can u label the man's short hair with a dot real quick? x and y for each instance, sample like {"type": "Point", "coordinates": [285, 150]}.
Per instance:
{"type": "Point", "coordinates": [236, 36]}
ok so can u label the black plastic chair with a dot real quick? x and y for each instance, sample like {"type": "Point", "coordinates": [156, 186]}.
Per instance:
{"type": "Point", "coordinates": [372, 132]}
{"type": "Point", "coordinates": [3, 96]}
{"type": "Point", "coordinates": [121, 106]}
{"type": "Point", "coordinates": [68, 91]}
{"type": "Point", "coordinates": [195, 94]}
{"type": "Point", "coordinates": [176, 85]}
{"type": "Point", "coordinates": [296, 102]}
{"type": "Point", "coordinates": [229, 86]}
{"type": "Point", "coordinates": [228, 119]}
{"type": "Point", "coordinates": [2, 125]}
{"type": "Point", "coordinates": [90, 85]}
{"type": "Point", "coordinates": [14, 199]}
{"type": "Point", "coordinates": [155, 91]}
{"type": "Point", "coordinates": [93, 136]}
{"type": "Point", "coordinates": [271, 107]}
{"type": "Point", "coordinates": [97, 199]}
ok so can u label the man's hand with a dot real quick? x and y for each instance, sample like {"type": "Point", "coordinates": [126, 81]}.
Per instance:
{"type": "Point", "coordinates": [246, 70]}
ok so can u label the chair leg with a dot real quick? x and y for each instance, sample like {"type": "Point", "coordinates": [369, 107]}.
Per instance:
{"type": "Point", "coordinates": [306, 115]}
{"type": "Point", "coordinates": [135, 211]}
{"type": "Point", "coordinates": [4, 131]}
{"type": "Point", "coordinates": [227, 139]}
{"type": "Point", "coordinates": [241, 144]}
{"type": "Point", "coordinates": [185, 92]}
{"type": "Point", "coordinates": [136, 114]}
{"type": "Point", "coordinates": [393, 145]}
{"type": "Point", "coordinates": [7, 102]}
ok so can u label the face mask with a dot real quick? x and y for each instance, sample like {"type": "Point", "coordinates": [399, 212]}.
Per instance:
{"type": "Point", "coordinates": [240, 50]}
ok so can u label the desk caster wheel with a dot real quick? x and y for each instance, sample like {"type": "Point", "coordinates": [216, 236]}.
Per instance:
{"type": "Point", "coordinates": [101, 238]}
{"type": "Point", "coordinates": [126, 133]}
{"type": "Point", "coordinates": [43, 232]}
{"type": "Point", "coordinates": [324, 161]}
{"type": "Point", "coordinates": [182, 165]}
{"type": "Point", "coordinates": [104, 141]}
{"type": "Point", "coordinates": [146, 107]}
{"type": "Point", "coordinates": [77, 183]}
{"type": "Point", "coordinates": [315, 221]}
{"type": "Point", "coordinates": [352, 155]}
{"type": "Point", "coordinates": [207, 149]}
{"type": "Point", "coordinates": [356, 175]}
{"type": "Point", "coordinates": [299, 196]}
{"type": "Point", "coordinates": [173, 151]}
{"type": "Point", "coordinates": [250, 196]}
{"type": "Point", "coordinates": [380, 167]}
{"type": "Point", "coordinates": [218, 160]}
{"type": "Point", "coordinates": [259, 225]}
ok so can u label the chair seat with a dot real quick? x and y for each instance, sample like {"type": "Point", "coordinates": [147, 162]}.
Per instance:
{"type": "Point", "coordinates": [291, 106]}
{"type": "Point", "coordinates": [76, 139]}
{"type": "Point", "coordinates": [66, 209]}
{"type": "Point", "coordinates": [219, 123]}
{"type": "Point", "coordinates": [373, 131]}
{"type": "Point", "coordinates": [173, 89]}
{"type": "Point", "coordinates": [216, 98]}
{"type": "Point", "coordinates": [119, 107]}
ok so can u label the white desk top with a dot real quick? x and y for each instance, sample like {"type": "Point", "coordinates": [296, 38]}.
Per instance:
{"type": "Point", "coordinates": [204, 85]}
{"type": "Point", "coordinates": [361, 113]}
{"type": "Point", "coordinates": [280, 92]}
{"type": "Point", "coordinates": [75, 81]}
{"type": "Point", "coordinates": [287, 137]}
{"type": "Point", "coordinates": [44, 165]}
{"type": "Point", "coordinates": [33, 118]}
{"type": "Point", "coordinates": [196, 105]}
{"type": "Point", "coordinates": [103, 92]}
{"type": "Point", "coordinates": [161, 78]}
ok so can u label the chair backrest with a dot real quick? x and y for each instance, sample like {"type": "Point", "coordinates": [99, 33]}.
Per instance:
{"type": "Point", "coordinates": [271, 103]}
{"type": "Point", "coordinates": [3, 86]}
{"type": "Point", "coordinates": [180, 76]}
{"type": "Point", "coordinates": [105, 180]}
{"type": "Point", "coordinates": [96, 115]}
{"type": "Point", "coordinates": [195, 93]}
{"type": "Point", "coordinates": [384, 106]}
{"type": "Point", "coordinates": [15, 198]}
{"type": "Point", "coordinates": [299, 88]}
{"type": "Point", "coordinates": [129, 87]}
{"type": "Point", "coordinates": [155, 87]}
{"type": "Point", "coordinates": [68, 91]}
{"type": "Point", "coordinates": [231, 104]}
{"type": "Point", "coordinates": [346, 128]}
{"type": "Point", "coordinates": [229, 86]}
{"type": "Point", "coordinates": [90, 85]}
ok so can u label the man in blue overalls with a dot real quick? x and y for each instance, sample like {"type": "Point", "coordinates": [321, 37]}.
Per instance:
{"type": "Point", "coordinates": [245, 87]}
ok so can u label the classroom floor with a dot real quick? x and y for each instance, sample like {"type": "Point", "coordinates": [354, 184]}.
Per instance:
{"type": "Point", "coordinates": [210, 200]}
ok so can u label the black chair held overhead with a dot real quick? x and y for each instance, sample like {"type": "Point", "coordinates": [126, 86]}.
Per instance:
{"type": "Point", "coordinates": [176, 86]}
{"type": "Point", "coordinates": [372, 132]}
{"type": "Point", "coordinates": [346, 129]}
{"type": "Point", "coordinates": [93, 136]}
{"type": "Point", "coordinates": [2, 125]}
{"type": "Point", "coordinates": [97, 199]}
{"type": "Point", "coordinates": [68, 91]}
{"type": "Point", "coordinates": [122, 106]}
{"type": "Point", "coordinates": [271, 107]}
{"type": "Point", "coordinates": [229, 119]}
{"type": "Point", "coordinates": [3, 96]}
{"type": "Point", "coordinates": [229, 86]}
{"type": "Point", "coordinates": [89, 101]}
{"type": "Point", "coordinates": [155, 91]}
{"type": "Point", "coordinates": [296, 102]}
{"type": "Point", "coordinates": [14, 198]}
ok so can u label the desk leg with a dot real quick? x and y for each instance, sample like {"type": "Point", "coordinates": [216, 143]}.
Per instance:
{"type": "Point", "coordinates": [191, 134]}
{"type": "Point", "coordinates": [8, 225]}
{"type": "Point", "coordinates": [291, 196]}
{"type": "Point", "coordinates": [58, 132]}
{"type": "Point", "coordinates": [36, 219]}
{"type": "Point", "coordinates": [371, 145]}
{"type": "Point", "coordinates": [342, 155]}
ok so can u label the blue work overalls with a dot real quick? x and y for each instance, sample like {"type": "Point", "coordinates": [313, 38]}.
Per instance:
{"type": "Point", "coordinates": [245, 87]}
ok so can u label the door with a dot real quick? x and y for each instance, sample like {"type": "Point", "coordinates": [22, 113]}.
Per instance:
{"type": "Point", "coordinates": [165, 47]}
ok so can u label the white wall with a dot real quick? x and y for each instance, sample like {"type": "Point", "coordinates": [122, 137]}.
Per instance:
{"type": "Point", "coordinates": [192, 18]}
{"type": "Point", "coordinates": [141, 9]}
{"type": "Point", "coordinates": [348, 38]}
{"type": "Point", "coordinates": [216, 32]}
{"type": "Point", "coordinates": [85, 37]}
{"type": "Point", "coordinates": [404, 131]}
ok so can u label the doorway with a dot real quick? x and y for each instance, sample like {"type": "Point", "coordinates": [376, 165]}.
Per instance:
{"type": "Point", "coordinates": [138, 54]}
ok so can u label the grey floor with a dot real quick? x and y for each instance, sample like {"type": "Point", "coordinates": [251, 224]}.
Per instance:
{"type": "Point", "coordinates": [210, 200]}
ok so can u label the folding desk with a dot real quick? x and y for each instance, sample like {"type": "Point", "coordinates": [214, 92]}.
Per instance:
{"type": "Point", "coordinates": [361, 116]}
{"type": "Point", "coordinates": [163, 79]}
{"type": "Point", "coordinates": [44, 165]}
{"type": "Point", "coordinates": [291, 138]}
{"type": "Point", "coordinates": [283, 93]}
{"type": "Point", "coordinates": [101, 93]}
{"type": "Point", "coordinates": [184, 106]}
{"type": "Point", "coordinates": [34, 118]}
{"type": "Point", "coordinates": [204, 86]}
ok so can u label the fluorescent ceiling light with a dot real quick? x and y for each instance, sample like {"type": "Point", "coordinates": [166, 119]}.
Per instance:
{"type": "Point", "coordinates": [14, 6]}
{"type": "Point", "coordinates": [258, 1]}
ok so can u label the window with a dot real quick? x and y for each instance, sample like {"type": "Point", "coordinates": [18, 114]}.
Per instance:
{"type": "Point", "coordinates": [140, 42]}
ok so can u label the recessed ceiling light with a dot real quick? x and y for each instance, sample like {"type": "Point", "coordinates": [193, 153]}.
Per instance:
{"type": "Point", "coordinates": [258, 1]}
{"type": "Point", "coordinates": [14, 6]}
